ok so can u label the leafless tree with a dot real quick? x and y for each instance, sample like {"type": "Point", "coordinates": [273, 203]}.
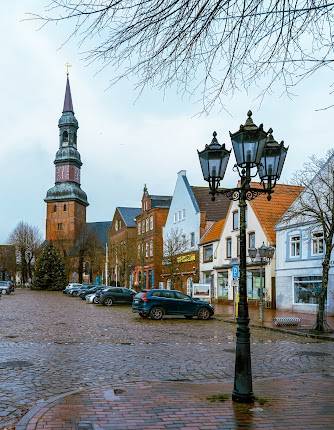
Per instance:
{"type": "Point", "coordinates": [27, 241]}
{"type": "Point", "coordinates": [123, 258]}
{"type": "Point", "coordinates": [7, 261]}
{"type": "Point", "coordinates": [205, 47]}
{"type": "Point", "coordinates": [175, 244]}
{"type": "Point", "coordinates": [315, 206]}
{"type": "Point", "coordinates": [87, 249]}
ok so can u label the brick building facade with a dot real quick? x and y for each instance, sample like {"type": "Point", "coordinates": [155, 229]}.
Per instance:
{"type": "Point", "coordinates": [150, 222]}
{"type": "Point", "coordinates": [122, 246]}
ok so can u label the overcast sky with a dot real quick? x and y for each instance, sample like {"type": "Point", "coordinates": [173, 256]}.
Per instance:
{"type": "Point", "coordinates": [124, 142]}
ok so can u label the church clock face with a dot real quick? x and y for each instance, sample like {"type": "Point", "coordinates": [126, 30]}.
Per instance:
{"type": "Point", "coordinates": [62, 173]}
{"type": "Point", "coordinates": [67, 172]}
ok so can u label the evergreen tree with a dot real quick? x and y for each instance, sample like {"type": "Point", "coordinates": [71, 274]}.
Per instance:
{"type": "Point", "coordinates": [49, 270]}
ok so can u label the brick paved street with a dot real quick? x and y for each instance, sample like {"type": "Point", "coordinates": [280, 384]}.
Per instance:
{"type": "Point", "coordinates": [51, 344]}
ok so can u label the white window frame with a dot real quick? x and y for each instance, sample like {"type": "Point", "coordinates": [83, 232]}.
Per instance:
{"type": "Point", "coordinates": [146, 249]}
{"type": "Point", "coordinates": [251, 233]}
{"type": "Point", "coordinates": [291, 247]}
{"type": "Point", "coordinates": [192, 242]}
{"type": "Point", "coordinates": [139, 227]}
{"type": "Point", "coordinates": [151, 222]}
{"type": "Point", "coordinates": [143, 226]}
{"type": "Point", "coordinates": [147, 224]}
{"type": "Point", "coordinates": [317, 241]}
{"type": "Point", "coordinates": [151, 248]}
{"type": "Point", "coordinates": [237, 219]}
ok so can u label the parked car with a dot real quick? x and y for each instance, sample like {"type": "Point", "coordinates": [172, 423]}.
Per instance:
{"type": "Point", "coordinates": [70, 287]}
{"type": "Point", "coordinates": [85, 292]}
{"type": "Point", "coordinates": [77, 290]}
{"type": "Point", "coordinates": [91, 298]}
{"type": "Point", "coordinates": [157, 303]}
{"type": "Point", "coordinates": [6, 287]}
{"type": "Point", "coordinates": [114, 295]}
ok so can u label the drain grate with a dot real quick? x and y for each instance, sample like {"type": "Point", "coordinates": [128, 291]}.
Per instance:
{"type": "Point", "coordinates": [312, 354]}
{"type": "Point", "coordinates": [13, 364]}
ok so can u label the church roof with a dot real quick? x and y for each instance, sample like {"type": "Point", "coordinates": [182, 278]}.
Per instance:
{"type": "Point", "coordinates": [100, 230]}
{"type": "Point", "coordinates": [129, 215]}
{"type": "Point", "coordinates": [68, 105]}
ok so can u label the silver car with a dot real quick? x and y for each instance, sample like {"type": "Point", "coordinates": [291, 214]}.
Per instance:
{"type": "Point", "coordinates": [6, 287]}
{"type": "Point", "coordinates": [91, 298]}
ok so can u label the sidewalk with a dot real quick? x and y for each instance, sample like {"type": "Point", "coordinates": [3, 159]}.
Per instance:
{"type": "Point", "coordinates": [226, 313]}
{"type": "Point", "coordinates": [283, 403]}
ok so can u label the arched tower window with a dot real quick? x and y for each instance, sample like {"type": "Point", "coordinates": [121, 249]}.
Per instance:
{"type": "Point", "coordinates": [65, 137]}
{"type": "Point", "coordinates": [65, 208]}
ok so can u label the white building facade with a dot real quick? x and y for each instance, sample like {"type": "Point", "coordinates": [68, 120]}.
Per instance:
{"type": "Point", "coordinates": [226, 255]}
{"type": "Point", "coordinates": [299, 254]}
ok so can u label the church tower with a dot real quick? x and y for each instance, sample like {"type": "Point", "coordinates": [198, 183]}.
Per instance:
{"type": "Point", "coordinates": [66, 201]}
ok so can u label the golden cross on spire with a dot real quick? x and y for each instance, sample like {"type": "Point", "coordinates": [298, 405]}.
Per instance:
{"type": "Point", "coordinates": [67, 65]}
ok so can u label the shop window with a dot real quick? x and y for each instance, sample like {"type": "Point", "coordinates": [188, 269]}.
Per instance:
{"type": "Point", "coordinates": [222, 285]}
{"type": "Point", "coordinates": [207, 253]}
{"type": "Point", "coordinates": [306, 289]}
{"type": "Point", "coordinates": [254, 279]}
{"type": "Point", "coordinates": [228, 247]}
{"type": "Point", "coordinates": [295, 246]}
{"type": "Point", "coordinates": [317, 243]}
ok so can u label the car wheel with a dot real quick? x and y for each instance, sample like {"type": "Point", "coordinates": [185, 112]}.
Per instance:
{"type": "Point", "coordinates": [142, 315]}
{"type": "Point", "coordinates": [203, 314]}
{"type": "Point", "coordinates": [96, 301]}
{"type": "Point", "coordinates": [4, 291]}
{"type": "Point", "coordinates": [188, 317]}
{"type": "Point", "coordinates": [108, 301]}
{"type": "Point", "coordinates": [156, 313]}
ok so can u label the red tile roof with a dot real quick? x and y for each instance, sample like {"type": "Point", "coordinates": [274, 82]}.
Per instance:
{"type": "Point", "coordinates": [269, 212]}
{"type": "Point", "coordinates": [214, 211]}
{"type": "Point", "coordinates": [214, 232]}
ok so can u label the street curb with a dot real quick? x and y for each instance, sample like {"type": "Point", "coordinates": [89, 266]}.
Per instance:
{"type": "Point", "coordinates": [40, 405]}
{"type": "Point", "coordinates": [281, 330]}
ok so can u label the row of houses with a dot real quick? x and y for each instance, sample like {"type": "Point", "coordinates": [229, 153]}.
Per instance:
{"type": "Point", "coordinates": [175, 241]}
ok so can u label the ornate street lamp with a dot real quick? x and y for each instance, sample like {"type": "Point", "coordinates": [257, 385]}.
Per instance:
{"type": "Point", "coordinates": [253, 149]}
{"type": "Point", "coordinates": [265, 254]}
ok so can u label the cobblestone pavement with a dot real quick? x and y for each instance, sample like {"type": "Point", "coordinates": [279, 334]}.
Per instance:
{"type": "Point", "coordinates": [51, 343]}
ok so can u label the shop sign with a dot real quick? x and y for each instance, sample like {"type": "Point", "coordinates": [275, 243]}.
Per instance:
{"type": "Point", "coordinates": [186, 258]}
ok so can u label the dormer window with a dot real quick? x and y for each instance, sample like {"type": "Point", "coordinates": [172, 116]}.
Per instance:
{"type": "Point", "coordinates": [65, 137]}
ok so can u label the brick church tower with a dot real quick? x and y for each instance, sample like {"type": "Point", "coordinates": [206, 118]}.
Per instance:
{"type": "Point", "coordinates": [66, 201]}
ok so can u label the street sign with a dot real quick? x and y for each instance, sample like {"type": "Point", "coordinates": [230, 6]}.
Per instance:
{"type": "Point", "coordinates": [235, 271]}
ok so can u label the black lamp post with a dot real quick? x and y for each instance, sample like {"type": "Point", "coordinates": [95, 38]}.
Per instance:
{"type": "Point", "coordinates": [265, 254]}
{"type": "Point", "coordinates": [255, 151]}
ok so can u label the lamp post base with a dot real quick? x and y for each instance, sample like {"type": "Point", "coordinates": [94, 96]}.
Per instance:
{"type": "Point", "coordinates": [243, 398]}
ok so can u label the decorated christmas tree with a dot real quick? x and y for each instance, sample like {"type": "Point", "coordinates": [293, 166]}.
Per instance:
{"type": "Point", "coordinates": [49, 270]}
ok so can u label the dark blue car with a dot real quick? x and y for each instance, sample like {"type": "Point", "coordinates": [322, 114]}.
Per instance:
{"type": "Point", "coordinates": [157, 303]}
